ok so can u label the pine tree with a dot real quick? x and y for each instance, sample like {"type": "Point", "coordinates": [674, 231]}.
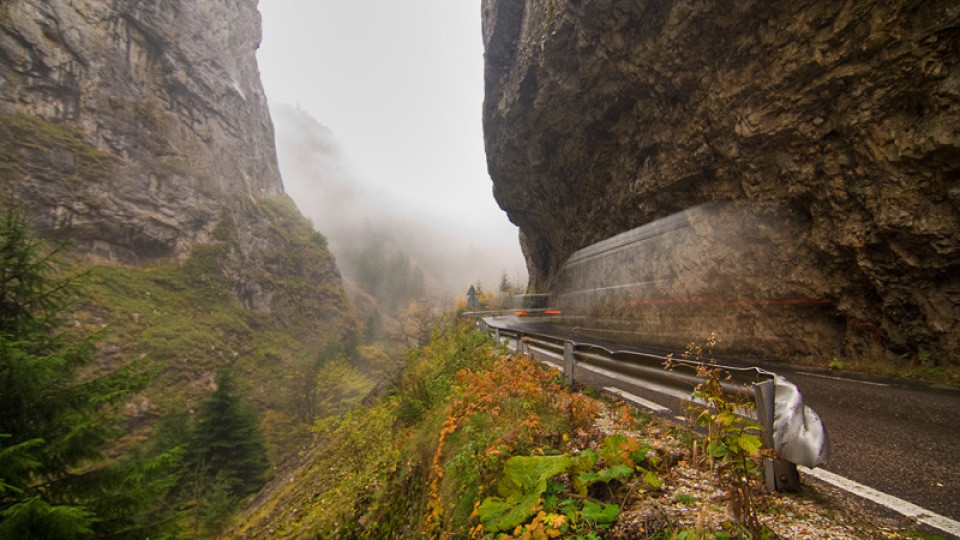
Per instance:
{"type": "Point", "coordinates": [226, 444]}
{"type": "Point", "coordinates": [505, 285]}
{"type": "Point", "coordinates": [54, 426]}
{"type": "Point", "coordinates": [372, 328]}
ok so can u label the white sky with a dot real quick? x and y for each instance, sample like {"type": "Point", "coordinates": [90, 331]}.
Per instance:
{"type": "Point", "coordinates": [400, 84]}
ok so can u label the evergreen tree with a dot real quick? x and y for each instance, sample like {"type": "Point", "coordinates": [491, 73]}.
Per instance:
{"type": "Point", "coordinates": [54, 426]}
{"type": "Point", "coordinates": [505, 285]}
{"type": "Point", "coordinates": [227, 446]}
{"type": "Point", "coordinates": [373, 328]}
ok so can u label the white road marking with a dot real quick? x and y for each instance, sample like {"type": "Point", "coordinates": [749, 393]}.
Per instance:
{"type": "Point", "coordinates": [656, 407]}
{"type": "Point", "coordinates": [840, 378]}
{"type": "Point", "coordinates": [912, 511]}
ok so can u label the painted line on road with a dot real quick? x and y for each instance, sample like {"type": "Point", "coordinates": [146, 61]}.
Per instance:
{"type": "Point", "coordinates": [844, 379]}
{"type": "Point", "coordinates": [908, 509]}
{"type": "Point", "coordinates": [656, 407]}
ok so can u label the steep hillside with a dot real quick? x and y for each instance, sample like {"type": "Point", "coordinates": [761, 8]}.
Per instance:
{"type": "Point", "coordinates": [602, 116]}
{"type": "Point", "coordinates": [182, 319]}
{"type": "Point", "coordinates": [139, 132]}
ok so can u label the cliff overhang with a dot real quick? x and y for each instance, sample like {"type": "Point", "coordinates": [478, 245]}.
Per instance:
{"type": "Point", "coordinates": [600, 117]}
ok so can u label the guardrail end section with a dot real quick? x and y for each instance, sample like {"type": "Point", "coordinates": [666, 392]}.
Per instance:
{"type": "Point", "coordinates": [780, 475]}
{"type": "Point", "coordinates": [798, 432]}
{"type": "Point", "coordinates": [792, 429]}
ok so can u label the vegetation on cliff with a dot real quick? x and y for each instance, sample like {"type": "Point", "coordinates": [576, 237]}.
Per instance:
{"type": "Point", "coordinates": [56, 480]}
{"type": "Point", "coordinates": [146, 385]}
{"type": "Point", "coordinates": [186, 321]}
{"type": "Point", "coordinates": [25, 139]}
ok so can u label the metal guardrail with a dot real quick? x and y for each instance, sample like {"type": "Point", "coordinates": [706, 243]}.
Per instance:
{"type": "Point", "coordinates": [789, 427]}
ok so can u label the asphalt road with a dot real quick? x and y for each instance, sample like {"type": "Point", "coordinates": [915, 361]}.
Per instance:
{"type": "Point", "coordinates": [896, 437]}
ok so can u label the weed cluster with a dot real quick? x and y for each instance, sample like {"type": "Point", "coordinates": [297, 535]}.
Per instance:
{"type": "Point", "coordinates": [515, 407]}
{"type": "Point", "coordinates": [568, 495]}
{"type": "Point", "coordinates": [732, 445]}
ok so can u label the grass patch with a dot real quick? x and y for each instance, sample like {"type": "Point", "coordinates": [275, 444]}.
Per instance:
{"type": "Point", "coordinates": [182, 320]}
{"type": "Point", "coordinates": [920, 366]}
{"type": "Point", "coordinates": [28, 141]}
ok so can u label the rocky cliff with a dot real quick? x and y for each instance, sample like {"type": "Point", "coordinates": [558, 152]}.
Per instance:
{"type": "Point", "coordinates": [603, 116]}
{"type": "Point", "coordinates": [135, 128]}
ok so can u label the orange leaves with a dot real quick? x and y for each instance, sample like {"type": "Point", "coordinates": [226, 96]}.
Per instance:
{"type": "Point", "coordinates": [507, 398]}
{"type": "Point", "coordinates": [543, 527]}
{"type": "Point", "coordinates": [515, 406]}
{"type": "Point", "coordinates": [510, 377]}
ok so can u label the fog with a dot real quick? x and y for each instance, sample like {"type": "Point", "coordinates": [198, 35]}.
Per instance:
{"type": "Point", "coordinates": [384, 243]}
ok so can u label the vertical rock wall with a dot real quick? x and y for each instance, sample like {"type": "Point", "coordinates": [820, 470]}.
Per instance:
{"type": "Point", "coordinates": [137, 127]}
{"type": "Point", "coordinates": [602, 116]}
{"type": "Point", "coordinates": [166, 92]}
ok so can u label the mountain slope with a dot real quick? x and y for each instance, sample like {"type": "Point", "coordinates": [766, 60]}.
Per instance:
{"type": "Point", "coordinates": [139, 132]}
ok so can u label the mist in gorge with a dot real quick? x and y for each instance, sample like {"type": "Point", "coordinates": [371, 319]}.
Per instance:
{"type": "Point", "coordinates": [393, 251]}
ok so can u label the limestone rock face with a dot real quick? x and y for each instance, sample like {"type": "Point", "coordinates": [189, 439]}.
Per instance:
{"type": "Point", "coordinates": [603, 116]}
{"type": "Point", "coordinates": [168, 90]}
{"type": "Point", "coordinates": [136, 127]}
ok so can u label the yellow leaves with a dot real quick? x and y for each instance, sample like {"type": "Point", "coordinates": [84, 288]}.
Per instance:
{"type": "Point", "coordinates": [543, 527]}
{"type": "Point", "coordinates": [478, 532]}
{"type": "Point", "coordinates": [750, 444]}
{"type": "Point", "coordinates": [555, 520]}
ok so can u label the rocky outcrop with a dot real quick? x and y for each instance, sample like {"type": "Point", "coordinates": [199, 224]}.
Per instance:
{"type": "Point", "coordinates": [135, 128]}
{"type": "Point", "coordinates": [603, 116]}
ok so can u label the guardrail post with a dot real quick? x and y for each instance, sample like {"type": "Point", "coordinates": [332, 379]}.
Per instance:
{"type": "Point", "coordinates": [496, 336]}
{"type": "Point", "coordinates": [781, 475]}
{"type": "Point", "coordinates": [520, 346]}
{"type": "Point", "coordinates": [569, 361]}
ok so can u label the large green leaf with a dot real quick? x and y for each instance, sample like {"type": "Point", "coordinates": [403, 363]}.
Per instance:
{"type": "Point", "coordinates": [716, 448]}
{"type": "Point", "coordinates": [522, 474]}
{"type": "Point", "coordinates": [652, 480]}
{"type": "Point", "coordinates": [750, 444]}
{"type": "Point", "coordinates": [523, 483]}
{"type": "Point", "coordinates": [491, 511]}
{"type": "Point", "coordinates": [616, 472]}
{"type": "Point", "coordinates": [595, 512]}
{"type": "Point", "coordinates": [579, 466]}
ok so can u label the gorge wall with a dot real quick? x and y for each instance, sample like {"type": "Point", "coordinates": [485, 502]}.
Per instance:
{"type": "Point", "coordinates": [603, 116]}
{"type": "Point", "coordinates": [136, 128]}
